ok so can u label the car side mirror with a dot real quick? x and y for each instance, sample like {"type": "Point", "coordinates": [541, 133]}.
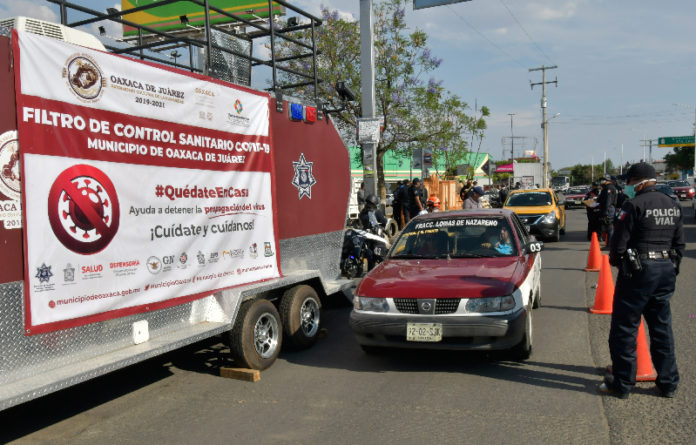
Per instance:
{"type": "Point", "coordinates": [534, 247]}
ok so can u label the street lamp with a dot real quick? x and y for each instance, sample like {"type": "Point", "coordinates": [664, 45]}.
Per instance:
{"type": "Point", "coordinates": [545, 126]}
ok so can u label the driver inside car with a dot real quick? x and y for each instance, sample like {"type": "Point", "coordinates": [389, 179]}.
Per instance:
{"type": "Point", "coordinates": [498, 240]}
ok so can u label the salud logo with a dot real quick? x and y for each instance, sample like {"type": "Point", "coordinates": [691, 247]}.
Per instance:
{"type": "Point", "coordinates": [84, 77]}
{"type": "Point", "coordinates": [83, 209]}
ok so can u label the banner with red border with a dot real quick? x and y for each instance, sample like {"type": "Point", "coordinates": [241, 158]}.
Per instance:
{"type": "Point", "coordinates": [143, 187]}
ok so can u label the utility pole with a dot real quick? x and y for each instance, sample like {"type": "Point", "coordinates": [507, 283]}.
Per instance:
{"type": "Point", "coordinates": [512, 151]}
{"type": "Point", "coordinates": [544, 121]}
{"type": "Point", "coordinates": [647, 143]}
{"type": "Point", "coordinates": [367, 93]}
{"type": "Point", "coordinates": [512, 140]}
{"type": "Point", "coordinates": [592, 169]}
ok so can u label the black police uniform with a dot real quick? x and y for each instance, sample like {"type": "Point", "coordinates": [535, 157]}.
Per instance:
{"type": "Point", "coordinates": [593, 223]}
{"type": "Point", "coordinates": [651, 224]}
{"type": "Point", "coordinates": [607, 201]}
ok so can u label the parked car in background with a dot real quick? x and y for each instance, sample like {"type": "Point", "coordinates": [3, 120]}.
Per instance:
{"type": "Point", "coordinates": [541, 210]}
{"type": "Point", "coordinates": [575, 195]}
{"type": "Point", "coordinates": [682, 188]}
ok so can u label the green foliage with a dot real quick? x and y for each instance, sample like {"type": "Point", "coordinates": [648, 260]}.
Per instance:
{"type": "Point", "coordinates": [418, 112]}
{"type": "Point", "coordinates": [681, 159]}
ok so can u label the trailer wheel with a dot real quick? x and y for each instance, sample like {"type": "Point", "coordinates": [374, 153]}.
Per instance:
{"type": "Point", "coordinates": [300, 312]}
{"type": "Point", "coordinates": [257, 335]}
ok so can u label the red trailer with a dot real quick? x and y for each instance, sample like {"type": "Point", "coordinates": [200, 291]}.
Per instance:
{"type": "Point", "coordinates": [147, 207]}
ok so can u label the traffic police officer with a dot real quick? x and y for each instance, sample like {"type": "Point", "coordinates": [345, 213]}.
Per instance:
{"type": "Point", "coordinates": [607, 201]}
{"type": "Point", "coordinates": [647, 246]}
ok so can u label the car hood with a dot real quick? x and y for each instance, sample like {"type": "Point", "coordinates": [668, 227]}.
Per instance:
{"type": "Point", "coordinates": [575, 196]}
{"type": "Point", "coordinates": [441, 278]}
{"type": "Point", "coordinates": [682, 188]}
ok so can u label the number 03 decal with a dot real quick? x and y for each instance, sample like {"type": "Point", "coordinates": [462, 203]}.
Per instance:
{"type": "Point", "coordinates": [535, 247]}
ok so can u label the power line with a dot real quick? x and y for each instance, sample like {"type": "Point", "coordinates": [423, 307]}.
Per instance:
{"type": "Point", "coordinates": [525, 32]}
{"type": "Point", "coordinates": [485, 38]}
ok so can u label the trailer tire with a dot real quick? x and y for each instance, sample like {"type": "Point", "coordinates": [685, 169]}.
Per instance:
{"type": "Point", "coordinates": [257, 335]}
{"type": "Point", "coordinates": [300, 312]}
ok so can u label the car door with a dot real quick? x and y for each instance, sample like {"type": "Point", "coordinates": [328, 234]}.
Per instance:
{"type": "Point", "coordinates": [533, 259]}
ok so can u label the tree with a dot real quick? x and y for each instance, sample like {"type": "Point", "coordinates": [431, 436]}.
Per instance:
{"type": "Point", "coordinates": [418, 112]}
{"type": "Point", "coordinates": [681, 159]}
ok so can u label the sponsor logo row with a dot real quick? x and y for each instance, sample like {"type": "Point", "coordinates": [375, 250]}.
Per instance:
{"type": "Point", "coordinates": [46, 274]}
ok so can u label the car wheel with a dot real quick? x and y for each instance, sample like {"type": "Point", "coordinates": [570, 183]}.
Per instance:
{"type": "Point", "coordinates": [391, 229]}
{"type": "Point", "coordinates": [562, 231]}
{"type": "Point", "coordinates": [257, 335]}
{"type": "Point", "coordinates": [537, 300]}
{"type": "Point", "coordinates": [352, 268]}
{"type": "Point", "coordinates": [523, 350]}
{"type": "Point", "coordinates": [300, 313]}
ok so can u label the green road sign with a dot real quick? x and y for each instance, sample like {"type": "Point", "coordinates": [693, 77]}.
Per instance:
{"type": "Point", "coordinates": [676, 141]}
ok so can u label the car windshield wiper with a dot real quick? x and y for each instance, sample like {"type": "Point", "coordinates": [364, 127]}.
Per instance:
{"type": "Point", "coordinates": [469, 255]}
{"type": "Point", "coordinates": [415, 256]}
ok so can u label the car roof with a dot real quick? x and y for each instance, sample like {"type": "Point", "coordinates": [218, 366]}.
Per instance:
{"type": "Point", "coordinates": [531, 190]}
{"type": "Point", "coordinates": [472, 212]}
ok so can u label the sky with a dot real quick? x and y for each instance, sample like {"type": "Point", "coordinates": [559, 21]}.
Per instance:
{"type": "Point", "coordinates": [625, 68]}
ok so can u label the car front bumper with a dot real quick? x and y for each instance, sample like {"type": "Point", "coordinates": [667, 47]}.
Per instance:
{"type": "Point", "coordinates": [544, 229]}
{"type": "Point", "coordinates": [458, 332]}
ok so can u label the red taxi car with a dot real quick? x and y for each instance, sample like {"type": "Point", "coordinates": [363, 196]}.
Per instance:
{"type": "Point", "coordinates": [463, 280]}
{"type": "Point", "coordinates": [683, 189]}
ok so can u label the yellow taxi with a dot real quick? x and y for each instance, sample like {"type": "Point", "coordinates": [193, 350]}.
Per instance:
{"type": "Point", "coordinates": [541, 210]}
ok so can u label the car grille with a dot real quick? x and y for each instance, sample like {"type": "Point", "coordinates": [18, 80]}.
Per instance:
{"type": "Point", "coordinates": [442, 305]}
{"type": "Point", "coordinates": [529, 219]}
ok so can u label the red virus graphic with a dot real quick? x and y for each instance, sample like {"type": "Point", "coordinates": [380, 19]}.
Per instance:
{"type": "Point", "coordinates": [83, 209]}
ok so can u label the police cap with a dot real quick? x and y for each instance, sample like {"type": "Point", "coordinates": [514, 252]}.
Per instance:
{"type": "Point", "coordinates": [641, 170]}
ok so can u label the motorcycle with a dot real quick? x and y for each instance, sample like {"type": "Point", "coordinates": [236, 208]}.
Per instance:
{"type": "Point", "coordinates": [361, 245]}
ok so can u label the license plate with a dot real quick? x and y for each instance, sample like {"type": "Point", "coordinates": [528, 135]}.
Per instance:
{"type": "Point", "coordinates": [424, 332]}
{"type": "Point", "coordinates": [577, 202]}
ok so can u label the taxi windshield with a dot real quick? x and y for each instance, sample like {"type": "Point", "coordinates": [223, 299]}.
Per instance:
{"type": "Point", "coordinates": [529, 199]}
{"type": "Point", "coordinates": [462, 237]}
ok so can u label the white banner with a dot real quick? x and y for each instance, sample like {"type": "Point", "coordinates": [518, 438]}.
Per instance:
{"type": "Point", "coordinates": [136, 201]}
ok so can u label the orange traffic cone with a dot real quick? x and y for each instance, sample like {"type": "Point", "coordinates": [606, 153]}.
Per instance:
{"type": "Point", "coordinates": [645, 371]}
{"type": "Point", "coordinates": [594, 259]}
{"type": "Point", "coordinates": [604, 297]}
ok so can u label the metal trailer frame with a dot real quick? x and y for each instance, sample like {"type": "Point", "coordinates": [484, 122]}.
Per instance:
{"type": "Point", "coordinates": [33, 366]}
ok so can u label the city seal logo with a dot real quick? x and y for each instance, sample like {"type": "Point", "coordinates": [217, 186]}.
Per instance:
{"type": "Point", "coordinates": [9, 165]}
{"type": "Point", "coordinates": [84, 77]}
{"type": "Point", "coordinates": [83, 209]}
{"type": "Point", "coordinates": [303, 178]}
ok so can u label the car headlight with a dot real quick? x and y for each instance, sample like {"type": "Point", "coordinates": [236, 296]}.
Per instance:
{"type": "Point", "coordinates": [550, 218]}
{"type": "Point", "coordinates": [370, 304]}
{"type": "Point", "coordinates": [490, 304]}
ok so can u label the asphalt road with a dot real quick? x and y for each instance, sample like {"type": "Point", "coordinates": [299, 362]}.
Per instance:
{"type": "Point", "coordinates": [334, 393]}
